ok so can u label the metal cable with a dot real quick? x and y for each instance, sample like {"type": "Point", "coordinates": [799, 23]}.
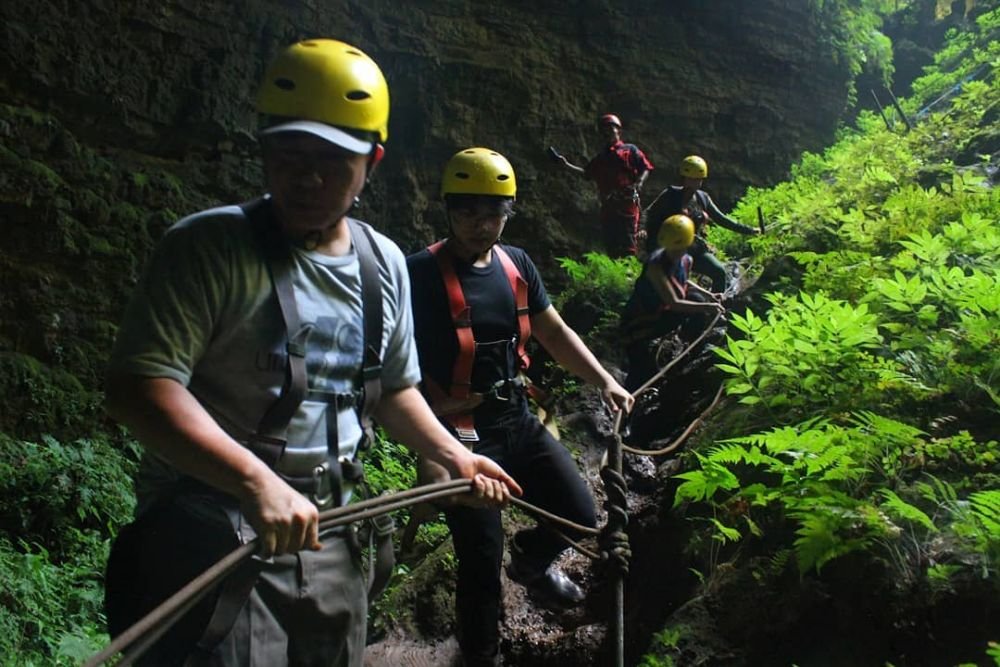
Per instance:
{"type": "Point", "coordinates": [138, 638]}
{"type": "Point", "coordinates": [683, 436]}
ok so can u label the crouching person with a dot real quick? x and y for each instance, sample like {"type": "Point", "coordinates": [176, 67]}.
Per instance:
{"type": "Point", "coordinates": [664, 299]}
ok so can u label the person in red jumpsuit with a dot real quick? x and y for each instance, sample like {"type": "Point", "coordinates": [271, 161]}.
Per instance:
{"type": "Point", "coordinates": [619, 170]}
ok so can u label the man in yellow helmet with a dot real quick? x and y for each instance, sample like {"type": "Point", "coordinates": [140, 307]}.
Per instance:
{"type": "Point", "coordinates": [664, 298]}
{"type": "Point", "coordinates": [619, 171]}
{"type": "Point", "coordinates": [689, 199]}
{"type": "Point", "coordinates": [259, 344]}
{"type": "Point", "coordinates": [478, 304]}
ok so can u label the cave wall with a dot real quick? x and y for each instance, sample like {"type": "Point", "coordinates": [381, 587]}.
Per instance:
{"type": "Point", "coordinates": [117, 117]}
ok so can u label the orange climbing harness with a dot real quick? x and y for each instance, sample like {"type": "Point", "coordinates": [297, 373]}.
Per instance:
{"type": "Point", "coordinates": [461, 317]}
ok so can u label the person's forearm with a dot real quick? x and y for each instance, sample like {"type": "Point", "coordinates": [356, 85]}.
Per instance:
{"type": "Point", "coordinates": [642, 180]}
{"type": "Point", "coordinates": [724, 220]}
{"type": "Point", "coordinates": [685, 306]}
{"type": "Point", "coordinates": [572, 167]}
{"type": "Point", "coordinates": [405, 415]}
{"type": "Point", "coordinates": [168, 420]}
{"type": "Point", "coordinates": [569, 350]}
{"type": "Point", "coordinates": [700, 290]}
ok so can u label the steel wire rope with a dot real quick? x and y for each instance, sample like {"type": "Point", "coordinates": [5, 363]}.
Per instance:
{"type": "Point", "coordinates": [139, 637]}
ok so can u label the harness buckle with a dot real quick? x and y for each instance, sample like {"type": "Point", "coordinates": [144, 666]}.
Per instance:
{"type": "Point", "coordinates": [322, 493]}
{"type": "Point", "coordinates": [507, 384]}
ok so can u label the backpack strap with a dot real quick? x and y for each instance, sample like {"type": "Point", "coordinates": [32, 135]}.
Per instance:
{"type": "Point", "coordinates": [703, 202]}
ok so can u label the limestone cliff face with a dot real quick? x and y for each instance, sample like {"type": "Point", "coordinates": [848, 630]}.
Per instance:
{"type": "Point", "coordinates": [118, 117]}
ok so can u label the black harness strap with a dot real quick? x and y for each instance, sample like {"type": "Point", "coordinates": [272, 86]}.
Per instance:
{"type": "Point", "coordinates": [382, 558]}
{"type": "Point", "coordinates": [371, 299]}
{"type": "Point", "coordinates": [270, 439]}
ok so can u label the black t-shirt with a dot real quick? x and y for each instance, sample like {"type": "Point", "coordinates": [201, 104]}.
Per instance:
{"type": "Point", "coordinates": [670, 202]}
{"type": "Point", "coordinates": [491, 306]}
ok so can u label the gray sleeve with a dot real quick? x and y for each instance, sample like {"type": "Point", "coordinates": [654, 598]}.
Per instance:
{"type": "Point", "coordinates": [400, 364]}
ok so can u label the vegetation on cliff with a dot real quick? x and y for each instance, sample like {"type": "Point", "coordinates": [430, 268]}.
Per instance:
{"type": "Point", "coordinates": [865, 391]}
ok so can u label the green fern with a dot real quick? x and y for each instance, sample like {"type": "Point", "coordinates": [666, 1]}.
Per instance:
{"type": "Point", "coordinates": [993, 651]}
{"type": "Point", "coordinates": [985, 506]}
{"type": "Point", "coordinates": [703, 484]}
{"type": "Point", "coordinates": [820, 540]}
{"type": "Point", "coordinates": [898, 507]}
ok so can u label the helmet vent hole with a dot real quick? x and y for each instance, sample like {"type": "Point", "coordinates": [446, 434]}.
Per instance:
{"type": "Point", "coordinates": [357, 95]}
{"type": "Point", "coordinates": [503, 177]}
{"type": "Point", "coordinates": [353, 52]}
{"type": "Point", "coordinates": [461, 174]}
{"type": "Point", "coordinates": [469, 152]}
{"type": "Point", "coordinates": [311, 45]}
{"type": "Point", "coordinates": [285, 84]}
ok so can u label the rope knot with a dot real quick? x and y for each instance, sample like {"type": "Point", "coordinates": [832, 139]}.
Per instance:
{"type": "Point", "coordinates": [615, 549]}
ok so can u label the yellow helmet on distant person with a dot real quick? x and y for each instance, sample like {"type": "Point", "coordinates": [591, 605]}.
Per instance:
{"type": "Point", "coordinates": [694, 166]}
{"type": "Point", "coordinates": [321, 85]}
{"type": "Point", "coordinates": [478, 171]}
{"type": "Point", "coordinates": [676, 232]}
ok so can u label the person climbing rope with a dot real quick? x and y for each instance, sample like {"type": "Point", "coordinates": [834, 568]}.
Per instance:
{"type": "Point", "coordinates": [478, 303]}
{"type": "Point", "coordinates": [259, 344]}
{"type": "Point", "coordinates": [688, 199]}
{"type": "Point", "coordinates": [664, 299]}
{"type": "Point", "coordinates": [619, 170]}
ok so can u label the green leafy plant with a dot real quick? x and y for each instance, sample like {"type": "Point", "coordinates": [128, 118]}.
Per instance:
{"type": "Point", "coordinates": [64, 501]}
{"type": "Point", "coordinates": [810, 354]}
{"type": "Point", "coordinates": [664, 645]}
{"type": "Point", "coordinates": [993, 651]}
{"type": "Point", "coordinates": [601, 279]}
{"type": "Point", "coordinates": [835, 482]}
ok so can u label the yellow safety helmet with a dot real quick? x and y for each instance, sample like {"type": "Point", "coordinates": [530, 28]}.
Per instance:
{"type": "Point", "coordinates": [694, 167]}
{"type": "Point", "coordinates": [321, 85]}
{"type": "Point", "coordinates": [478, 171]}
{"type": "Point", "coordinates": [676, 232]}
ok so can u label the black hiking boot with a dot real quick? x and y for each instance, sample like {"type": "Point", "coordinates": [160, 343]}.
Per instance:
{"type": "Point", "coordinates": [549, 583]}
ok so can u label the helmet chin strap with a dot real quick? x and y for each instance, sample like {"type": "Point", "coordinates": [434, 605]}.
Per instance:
{"type": "Point", "coordinates": [312, 239]}
{"type": "Point", "coordinates": [470, 257]}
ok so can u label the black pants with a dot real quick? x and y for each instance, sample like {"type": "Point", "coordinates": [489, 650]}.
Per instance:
{"type": "Point", "coordinates": [708, 264]}
{"type": "Point", "coordinates": [641, 353]}
{"type": "Point", "coordinates": [551, 480]}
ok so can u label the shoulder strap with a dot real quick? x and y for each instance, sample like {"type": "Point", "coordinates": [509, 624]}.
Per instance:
{"type": "Point", "coordinates": [271, 437]}
{"type": "Point", "coordinates": [369, 258]}
{"type": "Point", "coordinates": [519, 286]}
{"type": "Point", "coordinates": [461, 318]}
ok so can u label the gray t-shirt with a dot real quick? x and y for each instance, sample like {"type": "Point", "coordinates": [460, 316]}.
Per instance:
{"type": "Point", "coordinates": [205, 314]}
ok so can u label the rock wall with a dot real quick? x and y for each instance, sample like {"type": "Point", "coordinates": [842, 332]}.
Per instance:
{"type": "Point", "coordinates": [120, 116]}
